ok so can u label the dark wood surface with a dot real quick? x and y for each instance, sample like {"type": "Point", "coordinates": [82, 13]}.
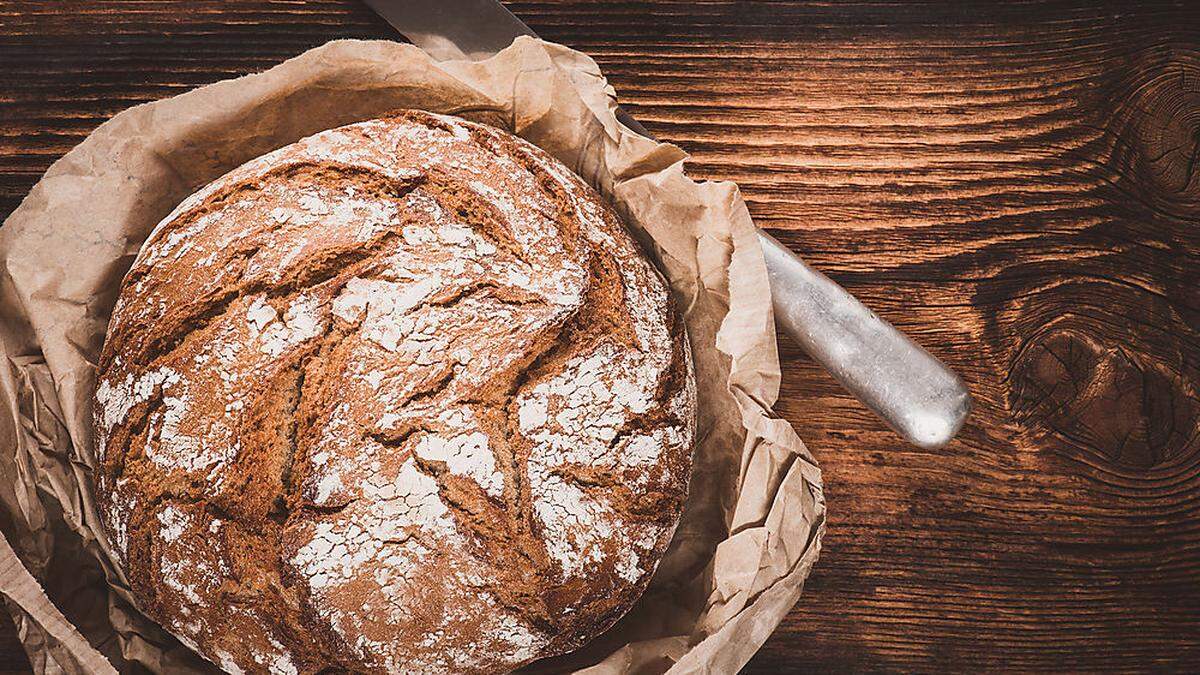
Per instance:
{"type": "Point", "coordinates": [1017, 186]}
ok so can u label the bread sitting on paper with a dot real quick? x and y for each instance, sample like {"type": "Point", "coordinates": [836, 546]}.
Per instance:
{"type": "Point", "coordinates": [402, 396]}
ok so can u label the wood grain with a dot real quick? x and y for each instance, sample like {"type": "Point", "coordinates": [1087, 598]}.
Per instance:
{"type": "Point", "coordinates": [1016, 186]}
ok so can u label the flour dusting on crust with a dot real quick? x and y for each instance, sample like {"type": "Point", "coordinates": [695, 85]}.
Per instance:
{"type": "Point", "coordinates": [403, 396]}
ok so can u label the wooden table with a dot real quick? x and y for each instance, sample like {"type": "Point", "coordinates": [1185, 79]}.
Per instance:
{"type": "Point", "coordinates": [1017, 186]}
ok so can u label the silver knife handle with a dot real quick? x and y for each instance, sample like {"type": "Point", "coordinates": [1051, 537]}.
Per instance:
{"type": "Point", "coordinates": [913, 392]}
{"type": "Point", "coordinates": [917, 395]}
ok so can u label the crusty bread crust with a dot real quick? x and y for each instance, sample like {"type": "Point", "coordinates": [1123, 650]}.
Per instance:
{"type": "Point", "coordinates": [402, 396]}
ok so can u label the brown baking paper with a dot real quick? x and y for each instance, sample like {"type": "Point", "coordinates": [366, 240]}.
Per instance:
{"type": "Point", "coordinates": [752, 524]}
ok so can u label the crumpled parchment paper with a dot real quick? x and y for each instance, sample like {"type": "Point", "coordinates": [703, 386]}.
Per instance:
{"type": "Point", "coordinates": [752, 524]}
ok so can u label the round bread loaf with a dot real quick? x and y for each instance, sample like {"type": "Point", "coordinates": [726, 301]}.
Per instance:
{"type": "Point", "coordinates": [403, 396]}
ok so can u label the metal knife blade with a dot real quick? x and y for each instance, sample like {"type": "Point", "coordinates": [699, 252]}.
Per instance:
{"type": "Point", "coordinates": [461, 29]}
{"type": "Point", "coordinates": [906, 386]}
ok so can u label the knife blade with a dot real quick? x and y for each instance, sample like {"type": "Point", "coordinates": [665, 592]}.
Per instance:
{"type": "Point", "coordinates": [906, 386]}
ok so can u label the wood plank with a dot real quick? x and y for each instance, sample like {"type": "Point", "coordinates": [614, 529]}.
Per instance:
{"type": "Point", "coordinates": [1015, 185]}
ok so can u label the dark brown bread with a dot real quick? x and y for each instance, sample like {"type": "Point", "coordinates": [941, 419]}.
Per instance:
{"type": "Point", "coordinates": [402, 396]}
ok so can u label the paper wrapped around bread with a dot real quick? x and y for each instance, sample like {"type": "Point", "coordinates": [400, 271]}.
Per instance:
{"type": "Point", "coordinates": [752, 522]}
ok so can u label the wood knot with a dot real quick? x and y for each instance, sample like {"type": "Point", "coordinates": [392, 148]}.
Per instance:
{"type": "Point", "coordinates": [1155, 129]}
{"type": "Point", "coordinates": [1099, 394]}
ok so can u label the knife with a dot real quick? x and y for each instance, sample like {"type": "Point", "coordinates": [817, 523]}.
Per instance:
{"type": "Point", "coordinates": [906, 386]}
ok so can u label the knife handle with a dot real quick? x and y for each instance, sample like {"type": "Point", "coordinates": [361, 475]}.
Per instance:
{"type": "Point", "coordinates": [913, 392]}
{"type": "Point", "coordinates": [907, 387]}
